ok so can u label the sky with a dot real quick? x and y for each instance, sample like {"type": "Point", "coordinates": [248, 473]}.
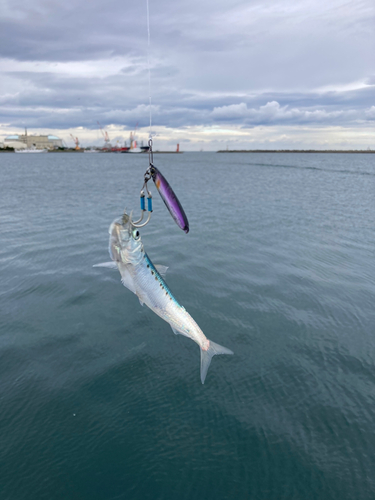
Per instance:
{"type": "Point", "coordinates": [231, 74]}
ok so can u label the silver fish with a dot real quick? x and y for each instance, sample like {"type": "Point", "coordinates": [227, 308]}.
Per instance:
{"type": "Point", "coordinates": [144, 279]}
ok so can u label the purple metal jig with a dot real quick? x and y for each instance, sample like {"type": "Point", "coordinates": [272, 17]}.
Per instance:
{"type": "Point", "coordinates": [170, 199]}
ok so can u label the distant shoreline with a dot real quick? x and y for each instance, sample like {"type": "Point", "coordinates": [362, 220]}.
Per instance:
{"type": "Point", "coordinates": [82, 151]}
{"type": "Point", "coordinates": [351, 151]}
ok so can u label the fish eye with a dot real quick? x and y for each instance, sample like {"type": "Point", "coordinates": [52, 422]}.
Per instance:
{"type": "Point", "coordinates": [135, 234]}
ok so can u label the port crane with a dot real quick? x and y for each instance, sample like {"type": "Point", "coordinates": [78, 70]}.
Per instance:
{"type": "Point", "coordinates": [76, 141]}
{"type": "Point", "coordinates": [133, 142]}
{"type": "Point", "coordinates": [107, 143]}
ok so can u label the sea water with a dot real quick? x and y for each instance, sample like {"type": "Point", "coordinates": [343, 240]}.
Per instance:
{"type": "Point", "coordinates": [99, 400]}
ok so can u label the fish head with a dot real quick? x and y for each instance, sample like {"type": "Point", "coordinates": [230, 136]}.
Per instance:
{"type": "Point", "coordinates": [125, 243]}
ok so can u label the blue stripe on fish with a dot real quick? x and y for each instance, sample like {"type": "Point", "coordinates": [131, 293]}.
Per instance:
{"type": "Point", "coordinates": [161, 281]}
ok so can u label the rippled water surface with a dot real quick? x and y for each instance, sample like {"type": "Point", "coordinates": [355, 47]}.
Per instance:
{"type": "Point", "coordinates": [100, 400]}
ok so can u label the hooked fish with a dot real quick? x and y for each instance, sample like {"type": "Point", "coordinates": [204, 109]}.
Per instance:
{"type": "Point", "coordinates": [141, 277]}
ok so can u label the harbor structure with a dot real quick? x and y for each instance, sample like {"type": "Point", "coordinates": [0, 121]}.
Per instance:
{"type": "Point", "coordinates": [26, 141]}
{"type": "Point", "coordinates": [76, 142]}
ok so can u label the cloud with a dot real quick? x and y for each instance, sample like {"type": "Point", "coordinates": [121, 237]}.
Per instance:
{"type": "Point", "coordinates": [272, 112]}
{"type": "Point", "coordinates": [370, 113]}
{"type": "Point", "coordinates": [246, 63]}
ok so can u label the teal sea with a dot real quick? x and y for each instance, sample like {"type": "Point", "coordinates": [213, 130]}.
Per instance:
{"type": "Point", "coordinates": [99, 400]}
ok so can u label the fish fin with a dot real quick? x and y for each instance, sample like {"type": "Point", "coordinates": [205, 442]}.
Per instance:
{"type": "Point", "coordinates": [207, 355]}
{"type": "Point", "coordinates": [129, 285]}
{"type": "Point", "coordinates": [111, 265]}
{"type": "Point", "coordinates": [126, 279]}
{"type": "Point", "coordinates": [162, 270]}
{"type": "Point", "coordinates": [179, 332]}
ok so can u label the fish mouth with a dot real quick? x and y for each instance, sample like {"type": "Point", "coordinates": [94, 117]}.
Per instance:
{"type": "Point", "coordinates": [125, 219]}
{"type": "Point", "coordinates": [123, 225]}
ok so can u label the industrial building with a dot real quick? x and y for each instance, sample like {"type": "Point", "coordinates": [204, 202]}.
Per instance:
{"type": "Point", "coordinates": [33, 141]}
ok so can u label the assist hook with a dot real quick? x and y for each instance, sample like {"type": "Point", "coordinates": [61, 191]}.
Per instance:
{"type": "Point", "coordinates": [147, 177]}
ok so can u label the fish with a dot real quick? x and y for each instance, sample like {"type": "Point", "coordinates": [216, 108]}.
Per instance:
{"type": "Point", "coordinates": [170, 199]}
{"type": "Point", "coordinates": [146, 280]}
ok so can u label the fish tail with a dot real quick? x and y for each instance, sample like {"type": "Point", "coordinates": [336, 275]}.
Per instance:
{"type": "Point", "coordinates": [207, 355]}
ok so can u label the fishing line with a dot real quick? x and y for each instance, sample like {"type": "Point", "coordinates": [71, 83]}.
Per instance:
{"type": "Point", "coordinates": [148, 62]}
{"type": "Point", "coordinates": [165, 190]}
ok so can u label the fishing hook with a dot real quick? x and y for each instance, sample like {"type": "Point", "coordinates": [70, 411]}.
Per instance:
{"type": "Point", "coordinates": [147, 177]}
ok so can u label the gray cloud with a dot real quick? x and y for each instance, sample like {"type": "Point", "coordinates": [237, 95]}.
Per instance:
{"type": "Point", "coordinates": [247, 63]}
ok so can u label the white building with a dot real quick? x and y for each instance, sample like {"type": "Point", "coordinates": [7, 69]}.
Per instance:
{"type": "Point", "coordinates": [33, 141]}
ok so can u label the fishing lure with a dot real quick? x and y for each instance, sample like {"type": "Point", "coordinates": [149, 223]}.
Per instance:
{"type": "Point", "coordinates": [166, 192]}
{"type": "Point", "coordinates": [170, 199]}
